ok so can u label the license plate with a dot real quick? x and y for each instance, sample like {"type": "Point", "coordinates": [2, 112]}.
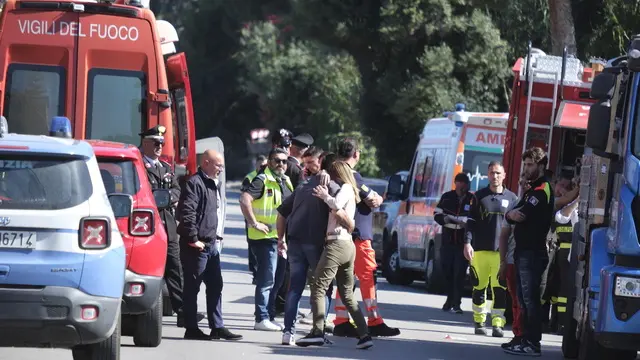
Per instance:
{"type": "Point", "coordinates": [17, 240]}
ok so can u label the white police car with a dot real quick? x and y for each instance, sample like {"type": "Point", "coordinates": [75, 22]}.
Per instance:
{"type": "Point", "coordinates": [62, 259]}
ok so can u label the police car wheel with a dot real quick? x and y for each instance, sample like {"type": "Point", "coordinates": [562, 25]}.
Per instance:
{"type": "Point", "coordinates": [109, 349]}
{"type": "Point", "coordinates": [148, 331]}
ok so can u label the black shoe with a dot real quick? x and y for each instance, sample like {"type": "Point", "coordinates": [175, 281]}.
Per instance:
{"type": "Point", "coordinates": [345, 329]}
{"type": "Point", "coordinates": [195, 334]}
{"type": "Point", "coordinates": [365, 342]}
{"type": "Point", "coordinates": [458, 310]}
{"type": "Point", "coordinates": [312, 339]}
{"type": "Point", "coordinates": [224, 334]}
{"type": "Point", "coordinates": [383, 330]}
{"type": "Point", "coordinates": [446, 307]}
{"type": "Point", "coordinates": [560, 330]}
{"type": "Point", "coordinates": [524, 348]}
{"type": "Point", "coordinates": [515, 340]}
{"type": "Point", "coordinates": [180, 318]}
{"type": "Point", "coordinates": [497, 332]}
{"type": "Point", "coordinates": [480, 330]}
{"type": "Point", "coordinates": [254, 281]}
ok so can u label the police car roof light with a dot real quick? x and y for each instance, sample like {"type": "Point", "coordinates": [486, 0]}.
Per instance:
{"type": "Point", "coordinates": [4, 126]}
{"type": "Point", "coordinates": [60, 127]}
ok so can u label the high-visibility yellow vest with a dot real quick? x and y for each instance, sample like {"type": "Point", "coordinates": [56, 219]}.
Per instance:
{"type": "Point", "coordinates": [251, 175]}
{"type": "Point", "coordinates": [265, 208]}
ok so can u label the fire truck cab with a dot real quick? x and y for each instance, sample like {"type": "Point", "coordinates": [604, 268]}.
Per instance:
{"type": "Point", "coordinates": [111, 68]}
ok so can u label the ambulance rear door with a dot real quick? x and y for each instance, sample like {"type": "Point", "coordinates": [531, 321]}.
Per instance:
{"type": "Point", "coordinates": [38, 55]}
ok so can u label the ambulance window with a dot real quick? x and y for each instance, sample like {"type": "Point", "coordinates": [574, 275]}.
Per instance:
{"type": "Point", "coordinates": [35, 94]}
{"type": "Point", "coordinates": [434, 185]}
{"type": "Point", "coordinates": [119, 176]}
{"type": "Point", "coordinates": [422, 173]}
{"type": "Point", "coordinates": [476, 166]}
{"type": "Point", "coordinates": [116, 105]}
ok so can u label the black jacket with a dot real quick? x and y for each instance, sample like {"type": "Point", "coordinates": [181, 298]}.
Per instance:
{"type": "Point", "coordinates": [294, 171]}
{"type": "Point", "coordinates": [537, 205]}
{"type": "Point", "coordinates": [451, 204]}
{"type": "Point", "coordinates": [163, 178]}
{"type": "Point", "coordinates": [198, 205]}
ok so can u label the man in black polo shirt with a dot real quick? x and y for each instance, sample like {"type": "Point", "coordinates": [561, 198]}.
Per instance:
{"type": "Point", "coordinates": [532, 218]}
{"type": "Point", "coordinates": [482, 247]}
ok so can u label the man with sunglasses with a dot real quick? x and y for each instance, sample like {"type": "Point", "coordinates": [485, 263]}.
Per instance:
{"type": "Point", "coordinates": [161, 177]}
{"type": "Point", "coordinates": [259, 203]}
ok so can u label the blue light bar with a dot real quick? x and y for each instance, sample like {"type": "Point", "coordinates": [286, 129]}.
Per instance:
{"type": "Point", "coordinates": [60, 127]}
{"type": "Point", "coordinates": [460, 107]}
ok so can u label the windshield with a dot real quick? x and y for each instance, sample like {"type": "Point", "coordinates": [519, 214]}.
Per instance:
{"type": "Point", "coordinates": [476, 164]}
{"type": "Point", "coordinates": [119, 176]}
{"type": "Point", "coordinates": [35, 94]}
{"type": "Point", "coordinates": [116, 108]}
{"type": "Point", "coordinates": [42, 182]}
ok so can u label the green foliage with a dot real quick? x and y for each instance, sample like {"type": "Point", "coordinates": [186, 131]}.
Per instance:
{"type": "Point", "coordinates": [300, 84]}
{"type": "Point", "coordinates": [368, 164]}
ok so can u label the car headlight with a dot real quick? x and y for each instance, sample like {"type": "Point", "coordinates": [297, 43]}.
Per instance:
{"type": "Point", "coordinates": [627, 287]}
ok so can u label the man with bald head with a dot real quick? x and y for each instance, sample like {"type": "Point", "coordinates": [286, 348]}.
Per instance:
{"type": "Point", "coordinates": [200, 244]}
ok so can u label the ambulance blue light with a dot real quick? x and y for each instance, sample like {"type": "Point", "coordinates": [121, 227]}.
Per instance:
{"type": "Point", "coordinates": [460, 107]}
{"type": "Point", "coordinates": [60, 127]}
{"type": "Point", "coordinates": [459, 123]}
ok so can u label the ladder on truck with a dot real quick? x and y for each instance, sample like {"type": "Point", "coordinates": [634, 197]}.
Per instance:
{"type": "Point", "coordinates": [557, 70]}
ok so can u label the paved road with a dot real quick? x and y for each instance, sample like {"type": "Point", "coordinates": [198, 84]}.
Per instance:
{"type": "Point", "coordinates": [427, 332]}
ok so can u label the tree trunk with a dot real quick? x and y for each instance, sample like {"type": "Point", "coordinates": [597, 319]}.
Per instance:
{"type": "Point", "coordinates": [563, 32]}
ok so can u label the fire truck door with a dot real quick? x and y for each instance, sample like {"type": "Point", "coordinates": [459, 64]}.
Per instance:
{"type": "Point", "coordinates": [182, 108]}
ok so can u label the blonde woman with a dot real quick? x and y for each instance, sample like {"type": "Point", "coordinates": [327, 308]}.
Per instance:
{"type": "Point", "coordinates": [337, 258]}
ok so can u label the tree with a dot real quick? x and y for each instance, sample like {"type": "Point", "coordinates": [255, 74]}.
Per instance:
{"type": "Point", "coordinates": [563, 32]}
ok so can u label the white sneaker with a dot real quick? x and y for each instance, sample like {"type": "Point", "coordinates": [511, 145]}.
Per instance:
{"type": "Point", "coordinates": [278, 325]}
{"type": "Point", "coordinates": [266, 325]}
{"type": "Point", "coordinates": [288, 339]}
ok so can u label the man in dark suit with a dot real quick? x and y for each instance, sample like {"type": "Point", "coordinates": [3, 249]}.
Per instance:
{"type": "Point", "coordinates": [161, 176]}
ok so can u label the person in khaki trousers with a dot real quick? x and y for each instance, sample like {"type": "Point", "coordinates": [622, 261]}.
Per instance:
{"type": "Point", "coordinates": [337, 258]}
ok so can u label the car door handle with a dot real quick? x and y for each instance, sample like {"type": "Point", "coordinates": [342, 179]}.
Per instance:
{"type": "Point", "coordinates": [4, 271]}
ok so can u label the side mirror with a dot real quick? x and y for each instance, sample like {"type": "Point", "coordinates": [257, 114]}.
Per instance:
{"type": "Point", "coordinates": [602, 86]}
{"type": "Point", "coordinates": [121, 204]}
{"type": "Point", "coordinates": [633, 55]}
{"type": "Point", "coordinates": [163, 198]}
{"type": "Point", "coordinates": [598, 125]}
{"type": "Point", "coordinates": [394, 189]}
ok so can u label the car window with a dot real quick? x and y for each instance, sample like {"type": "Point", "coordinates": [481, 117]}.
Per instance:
{"type": "Point", "coordinates": [43, 182]}
{"type": "Point", "coordinates": [119, 176]}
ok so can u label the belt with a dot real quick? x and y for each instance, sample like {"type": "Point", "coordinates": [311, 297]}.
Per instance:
{"type": "Point", "coordinates": [453, 226]}
{"type": "Point", "coordinates": [339, 237]}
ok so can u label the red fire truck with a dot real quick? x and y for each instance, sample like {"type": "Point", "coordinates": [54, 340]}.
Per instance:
{"type": "Point", "coordinates": [549, 109]}
{"type": "Point", "coordinates": [107, 65]}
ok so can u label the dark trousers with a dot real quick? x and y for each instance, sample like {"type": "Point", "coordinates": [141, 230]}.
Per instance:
{"type": "Point", "coordinates": [278, 283]}
{"type": "Point", "coordinates": [199, 267]}
{"type": "Point", "coordinates": [530, 265]}
{"type": "Point", "coordinates": [173, 272]}
{"type": "Point", "coordinates": [454, 268]}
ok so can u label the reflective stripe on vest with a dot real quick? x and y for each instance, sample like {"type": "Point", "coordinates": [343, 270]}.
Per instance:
{"type": "Point", "coordinates": [265, 208]}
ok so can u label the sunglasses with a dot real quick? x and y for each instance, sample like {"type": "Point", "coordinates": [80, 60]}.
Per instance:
{"type": "Point", "coordinates": [280, 161]}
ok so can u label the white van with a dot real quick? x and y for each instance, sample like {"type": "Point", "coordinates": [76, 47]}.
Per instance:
{"type": "Point", "coordinates": [460, 142]}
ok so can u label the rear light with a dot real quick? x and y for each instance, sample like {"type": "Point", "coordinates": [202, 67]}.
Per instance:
{"type": "Point", "coordinates": [95, 233]}
{"type": "Point", "coordinates": [135, 289]}
{"type": "Point", "coordinates": [141, 223]}
{"type": "Point", "coordinates": [89, 312]}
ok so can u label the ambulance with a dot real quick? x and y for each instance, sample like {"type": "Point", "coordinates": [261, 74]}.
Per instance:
{"type": "Point", "coordinates": [109, 66]}
{"type": "Point", "coordinates": [459, 142]}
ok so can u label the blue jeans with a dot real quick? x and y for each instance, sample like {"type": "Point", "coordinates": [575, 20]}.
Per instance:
{"type": "Point", "coordinates": [530, 265]}
{"type": "Point", "coordinates": [266, 256]}
{"type": "Point", "coordinates": [301, 258]}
